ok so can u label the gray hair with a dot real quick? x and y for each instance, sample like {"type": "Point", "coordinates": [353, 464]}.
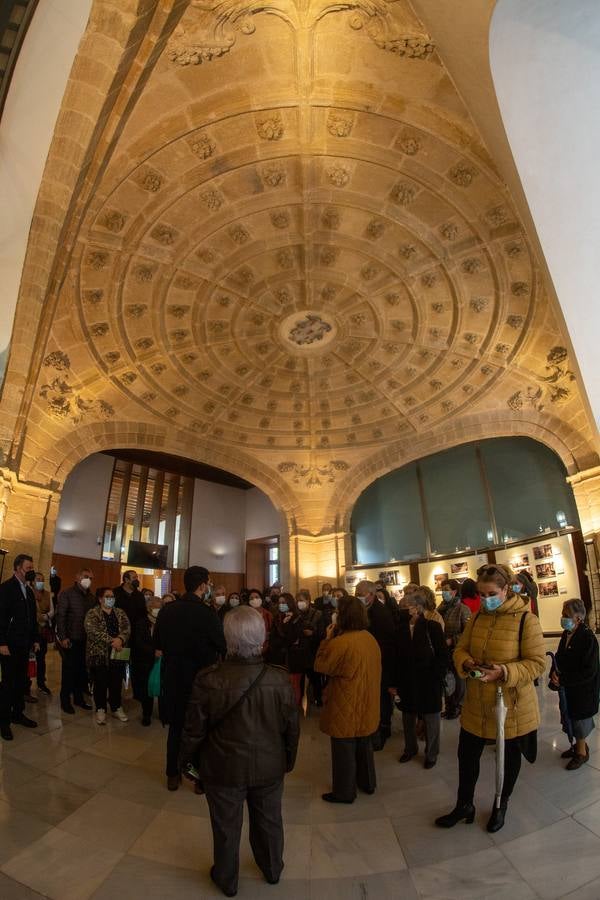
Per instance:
{"type": "Point", "coordinates": [576, 607]}
{"type": "Point", "coordinates": [364, 587]}
{"type": "Point", "coordinates": [419, 598]}
{"type": "Point", "coordinates": [244, 632]}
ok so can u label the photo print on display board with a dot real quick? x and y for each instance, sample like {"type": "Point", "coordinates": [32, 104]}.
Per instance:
{"type": "Point", "coordinates": [542, 552]}
{"type": "Point", "coordinates": [548, 588]}
{"type": "Point", "coordinates": [520, 561]}
{"type": "Point", "coordinates": [388, 577]}
{"type": "Point", "coordinates": [439, 580]}
{"type": "Point", "coordinates": [546, 570]}
{"type": "Point", "coordinates": [459, 568]}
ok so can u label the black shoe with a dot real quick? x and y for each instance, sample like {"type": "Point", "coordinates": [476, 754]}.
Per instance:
{"type": "Point", "coordinates": [369, 791]}
{"type": "Point", "coordinates": [496, 820]}
{"type": "Point", "coordinates": [429, 763]}
{"type": "Point", "coordinates": [568, 754]}
{"type": "Point", "coordinates": [45, 690]}
{"type": "Point", "coordinates": [331, 798]}
{"type": "Point", "coordinates": [25, 722]}
{"type": "Point", "coordinates": [406, 757]}
{"type": "Point", "coordinates": [67, 708]}
{"type": "Point", "coordinates": [146, 721]}
{"type": "Point", "coordinates": [173, 782]}
{"type": "Point", "coordinates": [465, 813]}
{"type": "Point", "coordinates": [83, 705]}
{"type": "Point", "coordinates": [213, 879]}
{"type": "Point", "coordinates": [6, 733]}
{"type": "Point", "coordinates": [29, 698]}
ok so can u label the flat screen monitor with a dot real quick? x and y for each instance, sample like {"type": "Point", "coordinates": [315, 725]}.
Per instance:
{"type": "Point", "coordinates": [147, 556]}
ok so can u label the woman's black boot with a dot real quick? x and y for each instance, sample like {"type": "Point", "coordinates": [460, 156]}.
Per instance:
{"type": "Point", "coordinates": [496, 821]}
{"type": "Point", "coordinates": [465, 812]}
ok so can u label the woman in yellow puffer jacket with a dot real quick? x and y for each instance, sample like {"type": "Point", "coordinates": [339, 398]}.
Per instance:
{"type": "Point", "coordinates": [504, 643]}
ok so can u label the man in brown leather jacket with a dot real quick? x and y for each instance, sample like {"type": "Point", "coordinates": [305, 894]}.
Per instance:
{"type": "Point", "coordinates": [243, 718]}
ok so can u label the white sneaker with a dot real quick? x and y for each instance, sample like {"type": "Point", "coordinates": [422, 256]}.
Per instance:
{"type": "Point", "coordinates": [100, 717]}
{"type": "Point", "coordinates": [120, 715]}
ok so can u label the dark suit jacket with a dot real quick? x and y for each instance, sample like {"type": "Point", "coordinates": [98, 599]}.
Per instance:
{"type": "Point", "coordinates": [18, 616]}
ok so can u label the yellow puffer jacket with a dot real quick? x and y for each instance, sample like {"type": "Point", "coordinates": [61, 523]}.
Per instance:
{"type": "Point", "coordinates": [351, 700]}
{"type": "Point", "coordinates": [494, 638]}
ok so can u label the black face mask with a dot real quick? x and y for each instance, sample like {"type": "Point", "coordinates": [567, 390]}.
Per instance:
{"type": "Point", "coordinates": [135, 584]}
{"type": "Point", "coordinates": [30, 576]}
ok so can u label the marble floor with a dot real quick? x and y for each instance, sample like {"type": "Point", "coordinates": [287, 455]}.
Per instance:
{"type": "Point", "coordinates": [84, 813]}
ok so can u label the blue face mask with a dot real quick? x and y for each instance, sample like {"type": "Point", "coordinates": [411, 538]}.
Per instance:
{"type": "Point", "coordinates": [517, 588]}
{"type": "Point", "coordinates": [326, 598]}
{"type": "Point", "coordinates": [207, 595]}
{"type": "Point", "coordinates": [447, 596]}
{"type": "Point", "coordinates": [334, 602]}
{"type": "Point", "coordinates": [493, 603]}
{"type": "Point", "coordinates": [109, 602]}
{"type": "Point", "coordinates": [283, 608]}
{"type": "Point", "coordinates": [567, 624]}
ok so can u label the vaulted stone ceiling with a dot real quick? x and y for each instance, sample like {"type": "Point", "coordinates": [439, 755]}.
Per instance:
{"type": "Point", "coordinates": [299, 261]}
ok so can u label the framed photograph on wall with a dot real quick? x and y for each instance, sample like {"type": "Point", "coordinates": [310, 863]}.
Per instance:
{"type": "Point", "coordinates": [545, 570]}
{"type": "Point", "coordinates": [388, 577]}
{"type": "Point", "coordinates": [459, 568]}
{"type": "Point", "coordinates": [544, 551]}
{"type": "Point", "coordinates": [438, 581]}
{"type": "Point", "coordinates": [520, 561]}
{"type": "Point", "coordinates": [548, 588]}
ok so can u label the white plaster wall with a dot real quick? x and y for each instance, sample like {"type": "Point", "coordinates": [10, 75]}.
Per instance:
{"type": "Point", "coordinates": [545, 60]}
{"type": "Point", "coordinates": [264, 520]}
{"type": "Point", "coordinates": [218, 528]}
{"type": "Point", "coordinates": [28, 120]}
{"type": "Point", "coordinates": [83, 508]}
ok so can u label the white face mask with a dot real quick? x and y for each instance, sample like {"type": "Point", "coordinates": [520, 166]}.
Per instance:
{"type": "Point", "coordinates": [220, 600]}
{"type": "Point", "coordinates": [154, 612]}
{"type": "Point", "coordinates": [86, 583]}
{"type": "Point", "coordinates": [302, 605]}
{"type": "Point", "coordinates": [255, 602]}
{"type": "Point", "coordinates": [235, 601]}
{"type": "Point", "coordinates": [39, 585]}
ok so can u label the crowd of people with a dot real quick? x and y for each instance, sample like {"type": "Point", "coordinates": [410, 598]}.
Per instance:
{"type": "Point", "coordinates": [237, 670]}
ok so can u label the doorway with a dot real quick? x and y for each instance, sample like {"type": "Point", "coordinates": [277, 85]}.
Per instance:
{"type": "Point", "coordinates": [262, 562]}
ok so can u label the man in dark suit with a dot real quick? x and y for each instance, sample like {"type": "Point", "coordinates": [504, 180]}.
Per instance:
{"type": "Point", "coordinates": [130, 599]}
{"type": "Point", "coordinates": [382, 626]}
{"type": "Point", "coordinates": [18, 636]}
{"type": "Point", "coordinates": [189, 637]}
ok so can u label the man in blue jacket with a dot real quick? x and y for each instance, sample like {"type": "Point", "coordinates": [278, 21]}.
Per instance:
{"type": "Point", "coordinates": [18, 636]}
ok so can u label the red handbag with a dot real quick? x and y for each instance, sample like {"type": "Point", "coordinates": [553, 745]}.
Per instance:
{"type": "Point", "coordinates": [32, 667]}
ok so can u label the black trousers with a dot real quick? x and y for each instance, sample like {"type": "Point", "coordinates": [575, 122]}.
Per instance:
{"type": "Point", "coordinates": [74, 673]}
{"type": "Point", "coordinates": [316, 681]}
{"type": "Point", "coordinates": [147, 705]}
{"type": "Point", "coordinates": [352, 766]}
{"type": "Point", "coordinates": [226, 806]}
{"type": "Point", "coordinates": [108, 682]}
{"type": "Point", "coordinates": [173, 747]}
{"type": "Point", "coordinates": [14, 683]}
{"type": "Point", "coordinates": [40, 662]}
{"type": "Point", "coordinates": [470, 748]}
{"type": "Point", "coordinates": [386, 708]}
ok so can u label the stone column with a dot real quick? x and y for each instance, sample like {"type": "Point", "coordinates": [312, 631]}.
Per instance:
{"type": "Point", "coordinates": [27, 520]}
{"type": "Point", "coordinates": [315, 559]}
{"type": "Point", "coordinates": [586, 488]}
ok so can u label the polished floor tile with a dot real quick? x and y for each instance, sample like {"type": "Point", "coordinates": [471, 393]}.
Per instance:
{"type": "Point", "coordinates": [108, 822]}
{"type": "Point", "coordinates": [486, 875]}
{"type": "Point", "coordinates": [18, 830]}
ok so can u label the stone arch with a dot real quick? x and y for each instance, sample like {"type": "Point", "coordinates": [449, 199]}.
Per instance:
{"type": "Point", "coordinates": [105, 436]}
{"type": "Point", "coordinates": [555, 434]}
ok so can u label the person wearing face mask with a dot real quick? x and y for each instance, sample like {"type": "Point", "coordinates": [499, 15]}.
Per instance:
{"type": "Point", "coordinates": [421, 663]}
{"type": "Point", "coordinates": [142, 657]}
{"type": "Point", "coordinates": [189, 637]}
{"type": "Point", "coordinates": [326, 604]}
{"type": "Point", "coordinates": [221, 606]}
{"type": "Point", "coordinates": [73, 605]}
{"type": "Point", "coordinates": [302, 655]}
{"type": "Point", "coordinates": [383, 627]}
{"type": "Point", "coordinates": [108, 631]}
{"type": "Point", "coordinates": [503, 645]}
{"type": "Point", "coordinates": [167, 598]}
{"type": "Point", "coordinates": [285, 633]}
{"type": "Point", "coordinates": [577, 674]}
{"type": "Point", "coordinates": [55, 582]}
{"type": "Point", "coordinates": [455, 615]}
{"type": "Point", "coordinates": [19, 634]}
{"type": "Point", "coordinates": [130, 598]}
{"type": "Point", "coordinates": [255, 600]}
{"type": "Point", "coordinates": [45, 615]}
{"type": "Point", "coordinates": [525, 586]}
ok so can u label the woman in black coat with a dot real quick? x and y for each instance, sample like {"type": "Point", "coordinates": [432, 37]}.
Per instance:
{"type": "Point", "coordinates": [421, 664]}
{"type": "Point", "coordinates": [142, 657]}
{"type": "Point", "coordinates": [578, 666]}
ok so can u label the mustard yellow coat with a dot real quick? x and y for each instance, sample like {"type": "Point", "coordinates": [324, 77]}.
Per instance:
{"type": "Point", "coordinates": [494, 638]}
{"type": "Point", "coordinates": [352, 661]}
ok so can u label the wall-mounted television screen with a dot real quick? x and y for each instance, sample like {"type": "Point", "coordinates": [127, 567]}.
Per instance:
{"type": "Point", "coordinates": [147, 556]}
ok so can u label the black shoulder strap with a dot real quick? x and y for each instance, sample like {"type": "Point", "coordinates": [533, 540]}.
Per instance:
{"type": "Point", "coordinates": [521, 629]}
{"type": "Point", "coordinates": [240, 699]}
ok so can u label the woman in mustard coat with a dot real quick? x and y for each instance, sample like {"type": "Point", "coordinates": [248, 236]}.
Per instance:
{"type": "Point", "coordinates": [351, 659]}
{"type": "Point", "coordinates": [502, 644]}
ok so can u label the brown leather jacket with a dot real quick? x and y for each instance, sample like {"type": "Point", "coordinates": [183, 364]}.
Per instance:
{"type": "Point", "coordinates": [257, 743]}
